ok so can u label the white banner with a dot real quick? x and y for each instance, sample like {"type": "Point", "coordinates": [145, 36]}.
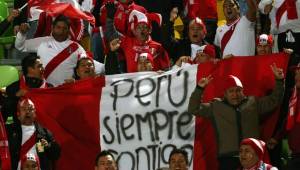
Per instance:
{"type": "Point", "coordinates": [143, 116]}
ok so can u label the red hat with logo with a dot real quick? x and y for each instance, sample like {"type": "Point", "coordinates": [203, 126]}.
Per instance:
{"type": "Point", "coordinates": [264, 39]}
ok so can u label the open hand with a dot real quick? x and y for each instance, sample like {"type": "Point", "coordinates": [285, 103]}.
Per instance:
{"type": "Point", "coordinates": [278, 72]}
{"type": "Point", "coordinates": [204, 81]}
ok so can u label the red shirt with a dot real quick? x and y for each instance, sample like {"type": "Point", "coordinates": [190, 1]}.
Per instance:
{"type": "Point", "coordinates": [132, 48]}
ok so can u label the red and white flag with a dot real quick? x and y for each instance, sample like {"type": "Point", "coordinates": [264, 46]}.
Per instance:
{"type": "Point", "coordinates": [141, 117]}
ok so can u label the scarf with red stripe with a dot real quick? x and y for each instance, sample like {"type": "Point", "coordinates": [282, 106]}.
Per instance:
{"type": "Point", "coordinates": [293, 112]}
{"type": "Point", "coordinates": [4, 150]}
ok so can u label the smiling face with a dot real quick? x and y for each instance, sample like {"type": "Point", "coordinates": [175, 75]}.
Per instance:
{"type": "Point", "coordinates": [178, 162]}
{"type": "Point", "coordinates": [231, 11]}
{"type": "Point", "coordinates": [248, 157]}
{"type": "Point", "coordinates": [263, 49]}
{"type": "Point", "coordinates": [106, 163]}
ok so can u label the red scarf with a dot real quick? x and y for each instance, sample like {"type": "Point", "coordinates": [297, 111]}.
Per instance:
{"type": "Point", "coordinates": [290, 7]}
{"type": "Point", "coordinates": [4, 150]}
{"type": "Point", "coordinates": [293, 112]}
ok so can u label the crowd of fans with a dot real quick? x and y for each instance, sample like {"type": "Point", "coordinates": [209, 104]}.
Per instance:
{"type": "Point", "coordinates": [135, 36]}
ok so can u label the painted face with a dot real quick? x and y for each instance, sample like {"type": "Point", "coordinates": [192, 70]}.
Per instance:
{"type": "Point", "coordinates": [177, 162]}
{"type": "Point", "coordinates": [263, 49]}
{"type": "Point", "coordinates": [26, 112]}
{"type": "Point", "coordinates": [30, 165]}
{"type": "Point", "coordinates": [196, 33]}
{"type": "Point", "coordinates": [60, 31]}
{"type": "Point", "coordinates": [85, 69]}
{"type": "Point", "coordinates": [106, 163]}
{"type": "Point", "coordinates": [37, 70]}
{"type": "Point", "coordinates": [248, 157]}
{"type": "Point", "coordinates": [231, 10]}
{"type": "Point", "coordinates": [234, 95]}
{"type": "Point", "coordinates": [142, 32]}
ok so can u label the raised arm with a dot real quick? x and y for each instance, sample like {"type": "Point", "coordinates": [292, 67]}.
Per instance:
{"type": "Point", "coordinates": [195, 106]}
{"type": "Point", "coordinates": [269, 103]}
{"type": "Point", "coordinates": [251, 13]}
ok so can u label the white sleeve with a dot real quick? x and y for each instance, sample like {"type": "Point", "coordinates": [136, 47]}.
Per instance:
{"type": "Point", "coordinates": [99, 67]}
{"type": "Point", "coordinates": [217, 38]}
{"type": "Point", "coordinates": [30, 45]}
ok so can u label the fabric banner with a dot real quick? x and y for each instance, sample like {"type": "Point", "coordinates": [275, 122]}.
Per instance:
{"type": "Point", "coordinates": [141, 117]}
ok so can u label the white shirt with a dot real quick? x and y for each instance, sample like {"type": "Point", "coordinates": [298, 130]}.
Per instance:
{"type": "Point", "coordinates": [47, 48]}
{"type": "Point", "coordinates": [242, 41]}
{"type": "Point", "coordinates": [27, 132]}
{"type": "Point", "coordinates": [285, 24]}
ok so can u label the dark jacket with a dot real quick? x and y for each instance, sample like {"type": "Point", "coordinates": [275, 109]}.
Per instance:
{"type": "Point", "coordinates": [4, 26]}
{"type": "Point", "coordinates": [10, 102]}
{"type": "Point", "coordinates": [47, 158]}
{"type": "Point", "coordinates": [176, 48]}
{"type": "Point", "coordinates": [232, 124]}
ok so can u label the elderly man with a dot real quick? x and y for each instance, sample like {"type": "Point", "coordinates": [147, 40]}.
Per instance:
{"type": "Point", "coordinates": [58, 53]}
{"type": "Point", "coordinates": [235, 116]}
{"type": "Point", "coordinates": [105, 160]}
{"type": "Point", "coordinates": [236, 37]}
{"type": "Point", "coordinates": [28, 137]}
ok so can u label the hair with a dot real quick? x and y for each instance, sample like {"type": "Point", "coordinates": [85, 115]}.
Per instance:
{"type": "Point", "coordinates": [75, 75]}
{"type": "Point", "coordinates": [235, 2]}
{"type": "Point", "coordinates": [62, 18]}
{"type": "Point", "coordinates": [103, 153]}
{"type": "Point", "coordinates": [28, 61]}
{"type": "Point", "coordinates": [179, 151]}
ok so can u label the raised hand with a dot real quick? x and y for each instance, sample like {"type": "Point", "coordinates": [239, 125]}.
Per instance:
{"type": "Point", "coordinates": [111, 10]}
{"type": "Point", "coordinates": [183, 59]}
{"type": "Point", "coordinates": [204, 81]}
{"type": "Point", "coordinates": [278, 72]}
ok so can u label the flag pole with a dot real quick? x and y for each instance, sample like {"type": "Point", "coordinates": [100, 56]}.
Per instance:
{"type": "Point", "coordinates": [20, 9]}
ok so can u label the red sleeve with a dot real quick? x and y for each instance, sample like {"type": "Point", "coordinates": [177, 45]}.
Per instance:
{"type": "Point", "coordinates": [162, 61]}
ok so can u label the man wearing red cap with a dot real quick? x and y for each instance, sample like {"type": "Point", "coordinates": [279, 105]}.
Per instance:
{"type": "Point", "coordinates": [253, 155]}
{"type": "Point", "coordinates": [26, 136]}
{"type": "Point", "coordinates": [237, 36]}
{"type": "Point", "coordinates": [132, 47]}
{"type": "Point", "coordinates": [236, 116]}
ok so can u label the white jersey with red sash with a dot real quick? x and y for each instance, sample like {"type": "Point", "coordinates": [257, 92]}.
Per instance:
{"type": "Point", "coordinates": [48, 48]}
{"type": "Point", "coordinates": [28, 142]}
{"type": "Point", "coordinates": [59, 59]}
{"type": "Point", "coordinates": [284, 16]}
{"type": "Point", "coordinates": [237, 39]}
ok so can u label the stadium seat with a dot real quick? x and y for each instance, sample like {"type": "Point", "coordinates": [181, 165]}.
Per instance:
{"type": "Point", "coordinates": [7, 37]}
{"type": "Point", "coordinates": [8, 75]}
